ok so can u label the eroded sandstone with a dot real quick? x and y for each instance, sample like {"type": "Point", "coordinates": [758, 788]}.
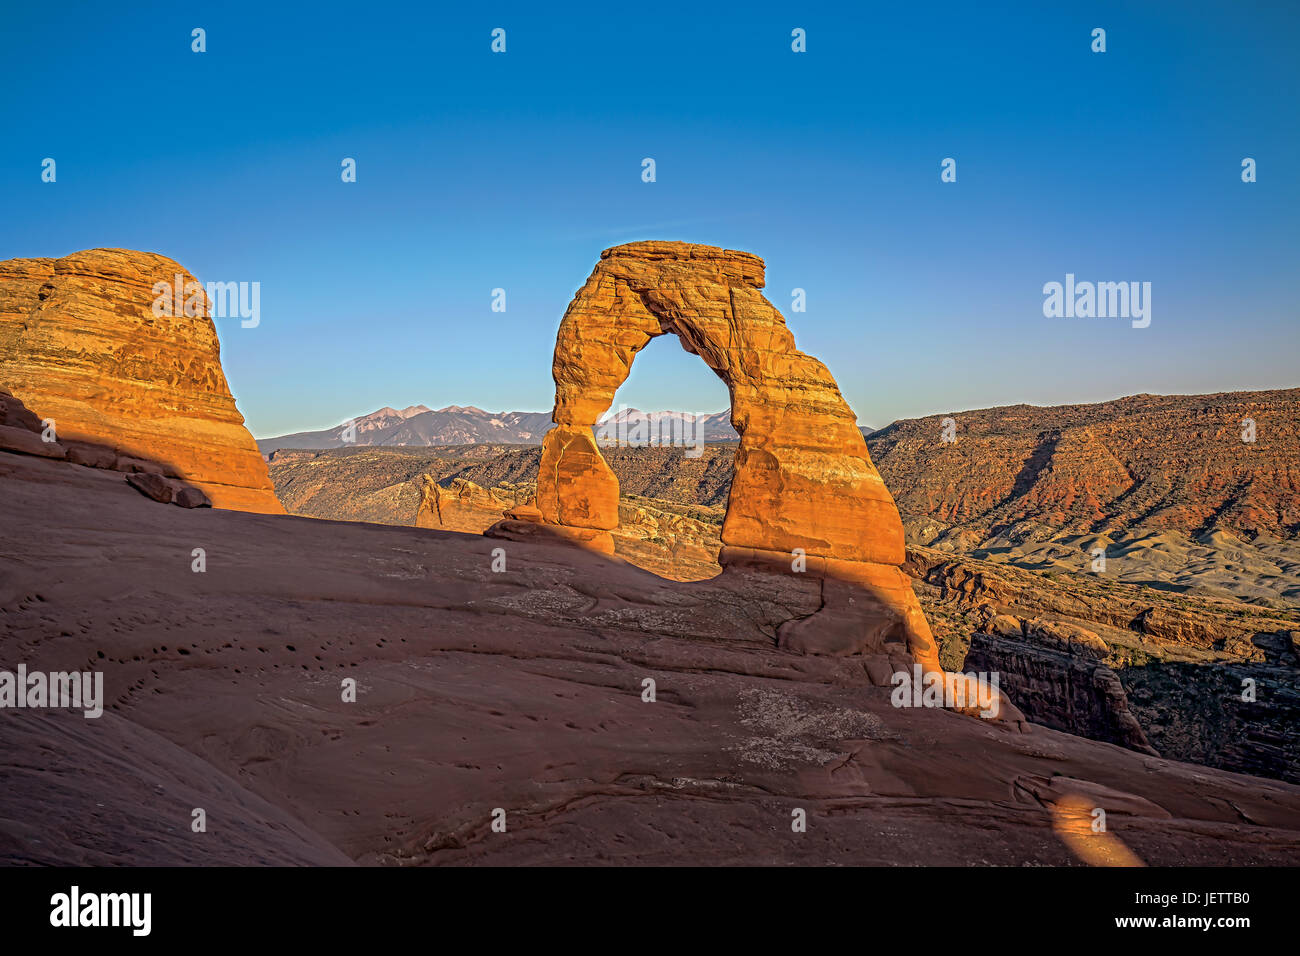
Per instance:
{"type": "Point", "coordinates": [805, 496]}
{"type": "Point", "coordinates": [80, 345]}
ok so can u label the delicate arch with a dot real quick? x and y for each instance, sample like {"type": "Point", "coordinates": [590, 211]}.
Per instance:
{"type": "Point", "coordinates": [803, 476]}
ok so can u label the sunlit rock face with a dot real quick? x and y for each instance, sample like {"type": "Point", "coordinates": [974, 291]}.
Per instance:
{"type": "Point", "coordinates": [805, 498]}
{"type": "Point", "coordinates": [83, 343]}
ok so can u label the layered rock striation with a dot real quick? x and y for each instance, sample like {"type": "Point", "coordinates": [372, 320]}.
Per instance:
{"type": "Point", "coordinates": [1195, 464]}
{"type": "Point", "coordinates": [805, 496]}
{"type": "Point", "coordinates": [81, 344]}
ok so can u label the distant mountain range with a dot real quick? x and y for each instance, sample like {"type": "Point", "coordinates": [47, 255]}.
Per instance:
{"type": "Point", "coordinates": [1194, 464]}
{"type": "Point", "coordinates": [420, 425]}
{"type": "Point", "coordinates": [631, 426]}
{"type": "Point", "coordinates": [467, 425]}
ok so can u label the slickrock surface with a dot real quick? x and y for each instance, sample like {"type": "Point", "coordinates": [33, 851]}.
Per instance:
{"type": "Point", "coordinates": [803, 485]}
{"type": "Point", "coordinates": [79, 344]}
{"type": "Point", "coordinates": [1170, 619]}
{"type": "Point", "coordinates": [25, 434]}
{"type": "Point", "coordinates": [520, 690]}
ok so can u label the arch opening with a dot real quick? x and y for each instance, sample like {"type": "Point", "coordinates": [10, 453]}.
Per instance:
{"type": "Point", "coordinates": [805, 497]}
{"type": "Point", "coordinates": [668, 439]}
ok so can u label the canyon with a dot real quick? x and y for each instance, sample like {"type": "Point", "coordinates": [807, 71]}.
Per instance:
{"type": "Point", "coordinates": [418, 647]}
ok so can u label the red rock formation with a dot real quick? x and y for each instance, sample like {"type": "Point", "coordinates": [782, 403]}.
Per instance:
{"type": "Point", "coordinates": [80, 344]}
{"type": "Point", "coordinates": [520, 689]}
{"type": "Point", "coordinates": [804, 483]}
{"type": "Point", "coordinates": [1146, 462]}
{"type": "Point", "coordinates": [465, 506]}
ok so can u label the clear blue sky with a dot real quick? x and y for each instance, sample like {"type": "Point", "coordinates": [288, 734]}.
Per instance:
{"type": "Point", "coordinates": [478, 171]}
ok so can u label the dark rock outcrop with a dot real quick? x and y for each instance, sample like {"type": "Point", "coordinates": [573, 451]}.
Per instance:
{"type": "Point", "coordinates": [1062, 686]}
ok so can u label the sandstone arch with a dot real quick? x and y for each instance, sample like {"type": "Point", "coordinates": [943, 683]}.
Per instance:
{"type": "Point", "coordinates": [803, 477]}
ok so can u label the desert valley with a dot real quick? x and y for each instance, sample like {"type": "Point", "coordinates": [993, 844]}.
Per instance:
{"type": "Point", "coordinates": [455, 637]}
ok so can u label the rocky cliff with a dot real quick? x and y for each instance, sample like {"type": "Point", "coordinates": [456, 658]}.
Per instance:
{"type": "Point", "coordinates": [81, 345]}
{"type": "Point", "coordinates": [1188, 463]}
{"type": "Point", "coordinates": [1206, 679]}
